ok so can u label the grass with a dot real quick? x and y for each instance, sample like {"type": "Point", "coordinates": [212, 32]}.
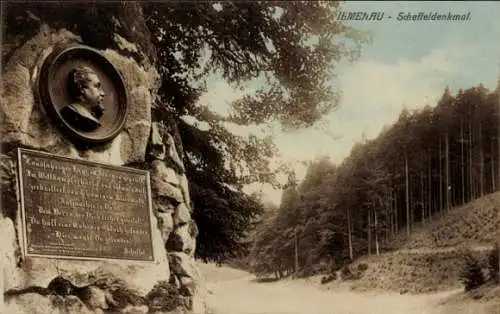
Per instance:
{"type": "Point", "coordinates": [475, 223]}
{"type": "Point", "coordinates": [438, 251]}
{"type": "Point", "coordinates": [414, 273]}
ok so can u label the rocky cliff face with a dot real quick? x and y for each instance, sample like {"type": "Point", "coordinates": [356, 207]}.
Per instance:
{"type": "Point", "coordinates": [170, 284]}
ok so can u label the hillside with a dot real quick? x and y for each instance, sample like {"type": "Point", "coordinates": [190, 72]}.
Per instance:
{"type": "Point", "coordinates": [474, 224]}
{"type": "Point", "coordinates": [431, 259]}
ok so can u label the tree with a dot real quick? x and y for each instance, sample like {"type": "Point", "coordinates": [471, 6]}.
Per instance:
{"type": "Point", "coordinates": [291, 48]}
{"type": "Point", "coordinates": [445, 111]}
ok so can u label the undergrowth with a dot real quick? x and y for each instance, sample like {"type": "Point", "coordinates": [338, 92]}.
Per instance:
{"type": "Point", "coordinates": [471, 275]}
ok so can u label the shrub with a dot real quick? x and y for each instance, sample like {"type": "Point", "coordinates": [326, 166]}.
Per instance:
{"type": "Point", "coordinates": [348, 274]}
{"type": "Point", "coordinates": [471, 275]}
{"type": "Point", "coordinates": [362, 267]}
{"type": "Point", "coordinates": [329, 278]}
{"type": "Point", "coordinates": [165, 297]}
{"type": "Point", "coordinates": [493, 264]}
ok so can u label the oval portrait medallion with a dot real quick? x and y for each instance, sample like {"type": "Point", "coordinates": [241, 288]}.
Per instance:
{"type": "Point", "coordinates": [83, 94]}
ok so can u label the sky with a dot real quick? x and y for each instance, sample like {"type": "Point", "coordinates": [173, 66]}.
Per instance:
{"type": "Point", "coordinates": [407, 64]}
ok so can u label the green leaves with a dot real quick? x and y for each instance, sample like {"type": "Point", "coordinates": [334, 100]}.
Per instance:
{"type": "Point", "coordinates": [290, 48]}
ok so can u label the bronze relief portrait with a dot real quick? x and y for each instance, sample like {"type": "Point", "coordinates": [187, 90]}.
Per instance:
{"type": "Point", "coordinates": [83, 94]}
{"type": "Point", "coordinates": [85, 87]}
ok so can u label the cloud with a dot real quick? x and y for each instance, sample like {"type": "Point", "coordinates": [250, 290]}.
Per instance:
{"type": "Point", "coordinates": [374, 93]}
{"type": "Point", "coordinates": [412, 83]}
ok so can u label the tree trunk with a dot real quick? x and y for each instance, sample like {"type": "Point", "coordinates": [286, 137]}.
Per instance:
{"type": "Point", "coordinates": [412, 205]}
{"type": "Point", "coordinates": [407, 198]}
{"type": "Point", "coordinates": [471, 184]}
{"type": "Point", "coordinates": [396, 216]}
{"type": "Point", "coordinates": [369, 232]}
{"type": "Point", "coordinates": [429, 184]}
{"type": "Point", "coordinates": [296, 251]}
{"type": "Point", "coordinates": [498, 227]}
{"type": "Point", "coordinates": [447, 171]}
{"type": "Point", "coordinates": [481, 159]}
{"type": "Point", "coordinates": [388, 210]}
{"type": "Point", "coordinates": [462, 156]}
{"type": "Point", "coordinates": [349, 233]}
{"type": "Point", "coordinates": [377, 247]}
{"type": "Point", "coordinates": [393, 214]}
{"type": "Point", "coordinates": [440, 178]}
{"type": "Point", "coordinates": [422, 196]}
{"type": "Point", "coordinates": [492, 163]}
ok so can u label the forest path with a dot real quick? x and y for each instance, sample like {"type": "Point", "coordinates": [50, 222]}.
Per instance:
{"type": "Point", "coordinates": [244, 295]}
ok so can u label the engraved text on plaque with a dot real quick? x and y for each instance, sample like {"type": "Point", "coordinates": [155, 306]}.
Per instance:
{"type": "Point", "coordinates": [79, 209]}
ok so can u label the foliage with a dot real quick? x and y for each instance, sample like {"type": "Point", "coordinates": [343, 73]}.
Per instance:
{"type": "Point", "coordinates": [120, 291]}
{"type": "Point", "coordinates": [293, 46]}
{"type": "Point", "coordinates": [471, 275]}
{"type": "Point", "coordinates": [164, 297]}
{"type": "Point", "coordinates": [222, 217]}
{"type": "Point", "coordinates": [348, 274]}
{"type": "Point", "coordinates": [328, 278]}
{"type": "Point", "coordinates": [493, 264]}
{"type": "Point", "coordinates": [96, 24]}
{"type": "Point", "coordinates": [298, 216]}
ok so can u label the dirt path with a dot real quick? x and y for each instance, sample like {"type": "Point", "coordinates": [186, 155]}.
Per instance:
{"type": "Point", "coordinates": [249, 297]}
{"type": "Point", "coordinates": [232, 295]}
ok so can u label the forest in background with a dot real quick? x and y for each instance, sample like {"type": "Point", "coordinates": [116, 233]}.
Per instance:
{"type": "Point", "coordinates": [429, 161]}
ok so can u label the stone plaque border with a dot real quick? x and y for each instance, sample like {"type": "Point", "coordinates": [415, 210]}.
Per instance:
{"type": "Point", "coordinates": [23, 238]}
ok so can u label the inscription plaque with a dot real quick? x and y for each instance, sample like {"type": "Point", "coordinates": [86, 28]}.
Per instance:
{"type": "Point", "coordinates": [84, 210]}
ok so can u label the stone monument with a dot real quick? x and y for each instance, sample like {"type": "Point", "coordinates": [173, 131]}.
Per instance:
{"type": "Point", "coordinates": [96, 212]}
